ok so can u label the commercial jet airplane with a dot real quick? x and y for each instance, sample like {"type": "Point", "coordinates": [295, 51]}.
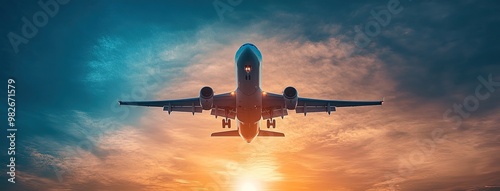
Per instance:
{"type": "Point", "coordinates": [248, 104]}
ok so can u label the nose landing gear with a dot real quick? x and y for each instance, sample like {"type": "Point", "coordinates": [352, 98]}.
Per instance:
{"type": "Point", "coordinates": [271, 123]}
{"type": "Point", "coordinates": [226, 122]}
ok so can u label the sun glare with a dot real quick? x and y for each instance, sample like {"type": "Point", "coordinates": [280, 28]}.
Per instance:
{"type": "Point", "coordinates": [248, 186]}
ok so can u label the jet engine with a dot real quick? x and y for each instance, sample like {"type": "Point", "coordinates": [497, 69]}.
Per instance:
{"type": "Point", "coordinates": [206, 98]}
{"type": "Point", "coordinates": [291, 96]}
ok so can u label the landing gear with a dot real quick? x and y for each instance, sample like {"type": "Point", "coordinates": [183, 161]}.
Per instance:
{"type": "Point", "coordinates": [271, 123]}
{"type": "Point", "coordinates": [226, 122]}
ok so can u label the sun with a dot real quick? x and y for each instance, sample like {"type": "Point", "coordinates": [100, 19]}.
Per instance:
{"type": "Point", "coordinates": [248, 186]}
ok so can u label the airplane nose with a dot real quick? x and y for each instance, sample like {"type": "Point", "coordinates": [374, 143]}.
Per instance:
{"type": "Point", "coordinates": [247, 54]}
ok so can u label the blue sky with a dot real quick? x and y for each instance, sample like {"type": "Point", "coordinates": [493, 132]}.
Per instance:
{"type": "Point", "coordinates": [91, 54]}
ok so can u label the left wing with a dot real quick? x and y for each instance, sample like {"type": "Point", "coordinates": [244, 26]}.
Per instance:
{"type": "Point", "coordinates": [181, 105]}
{"type": "Point", "coordinates": [223, 105]}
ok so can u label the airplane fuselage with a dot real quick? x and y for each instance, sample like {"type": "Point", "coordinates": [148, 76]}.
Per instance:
{"type": "Point", "coordinates": [248, 91]}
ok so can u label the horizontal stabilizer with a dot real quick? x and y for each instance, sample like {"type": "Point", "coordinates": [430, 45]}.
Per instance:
{"type": "Point", "coordinates": [270, 134]}
{"type": "Point", "coordinates": [226, 133]}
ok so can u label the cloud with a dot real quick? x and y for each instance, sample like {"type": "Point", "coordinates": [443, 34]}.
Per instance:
{"type": "Point", "coordinates": [370, 148]}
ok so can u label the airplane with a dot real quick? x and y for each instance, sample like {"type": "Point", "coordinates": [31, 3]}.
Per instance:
{"type": "Point", "coordinates": [248, 104]}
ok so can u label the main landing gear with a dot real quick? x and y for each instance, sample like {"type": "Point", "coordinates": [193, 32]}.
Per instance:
{"type": "Point", "coordinates": [271, 123]}
{"type": "Point", "coordinates": [226, 122]}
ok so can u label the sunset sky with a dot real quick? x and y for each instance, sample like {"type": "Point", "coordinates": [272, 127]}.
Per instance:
{"type": "Point", "coordinates": [436, 64]}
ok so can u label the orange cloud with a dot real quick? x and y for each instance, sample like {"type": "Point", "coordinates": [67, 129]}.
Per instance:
{"type": "Point", "coordinates": [353, 149]}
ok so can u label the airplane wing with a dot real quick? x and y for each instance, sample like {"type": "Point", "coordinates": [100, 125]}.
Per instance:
{"type": "Point", "coordinates": [223, 105]}
{"type": "Point", "coordinates": [273, 105]}
{"type": "Point", "coordinates": [306, 105]}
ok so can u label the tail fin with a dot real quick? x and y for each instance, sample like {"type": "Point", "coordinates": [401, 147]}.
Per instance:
{"type": "Point", "coordinates": [270, 133]}
{"type": "Point", "coordinates": [226, 133]}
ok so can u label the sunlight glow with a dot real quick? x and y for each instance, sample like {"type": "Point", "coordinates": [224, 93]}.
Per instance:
{"type": "Point", "coordinates": [248, 186]}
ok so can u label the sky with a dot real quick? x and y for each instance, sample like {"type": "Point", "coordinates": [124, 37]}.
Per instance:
{"type": "Point", "coordinates": [435, 64]}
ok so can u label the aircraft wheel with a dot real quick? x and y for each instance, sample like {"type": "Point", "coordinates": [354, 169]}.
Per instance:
{"type": "Point", "coordinates": [274, 123]}
{"type": "Point", "coordinates": [223, 123]}
{"type": "Point", "coordinates": [268, 123]}
{"type": "Point", "coordinates": [229, 123]}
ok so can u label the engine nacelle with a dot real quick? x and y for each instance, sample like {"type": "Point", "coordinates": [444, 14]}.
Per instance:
{"type": "Point", "coordinates": [291, 97]}
{"type": "Point", "coordinates": [206, 98]}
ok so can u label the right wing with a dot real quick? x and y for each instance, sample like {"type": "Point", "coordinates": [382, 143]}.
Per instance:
{"type": "Point", "coordinates": [223, 105]}
{"type": "Point", "coordinates": [336, 103]}
{"type": "Point", "coordinates": [273, 105]}
{"type": "Point", "coordinates": [305, 105]}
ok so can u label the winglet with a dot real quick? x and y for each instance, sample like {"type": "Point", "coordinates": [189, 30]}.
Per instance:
{"type": "Point", "coordinates": [119, 102]}
{"type": "Point", "coordinates": [382, 102]}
